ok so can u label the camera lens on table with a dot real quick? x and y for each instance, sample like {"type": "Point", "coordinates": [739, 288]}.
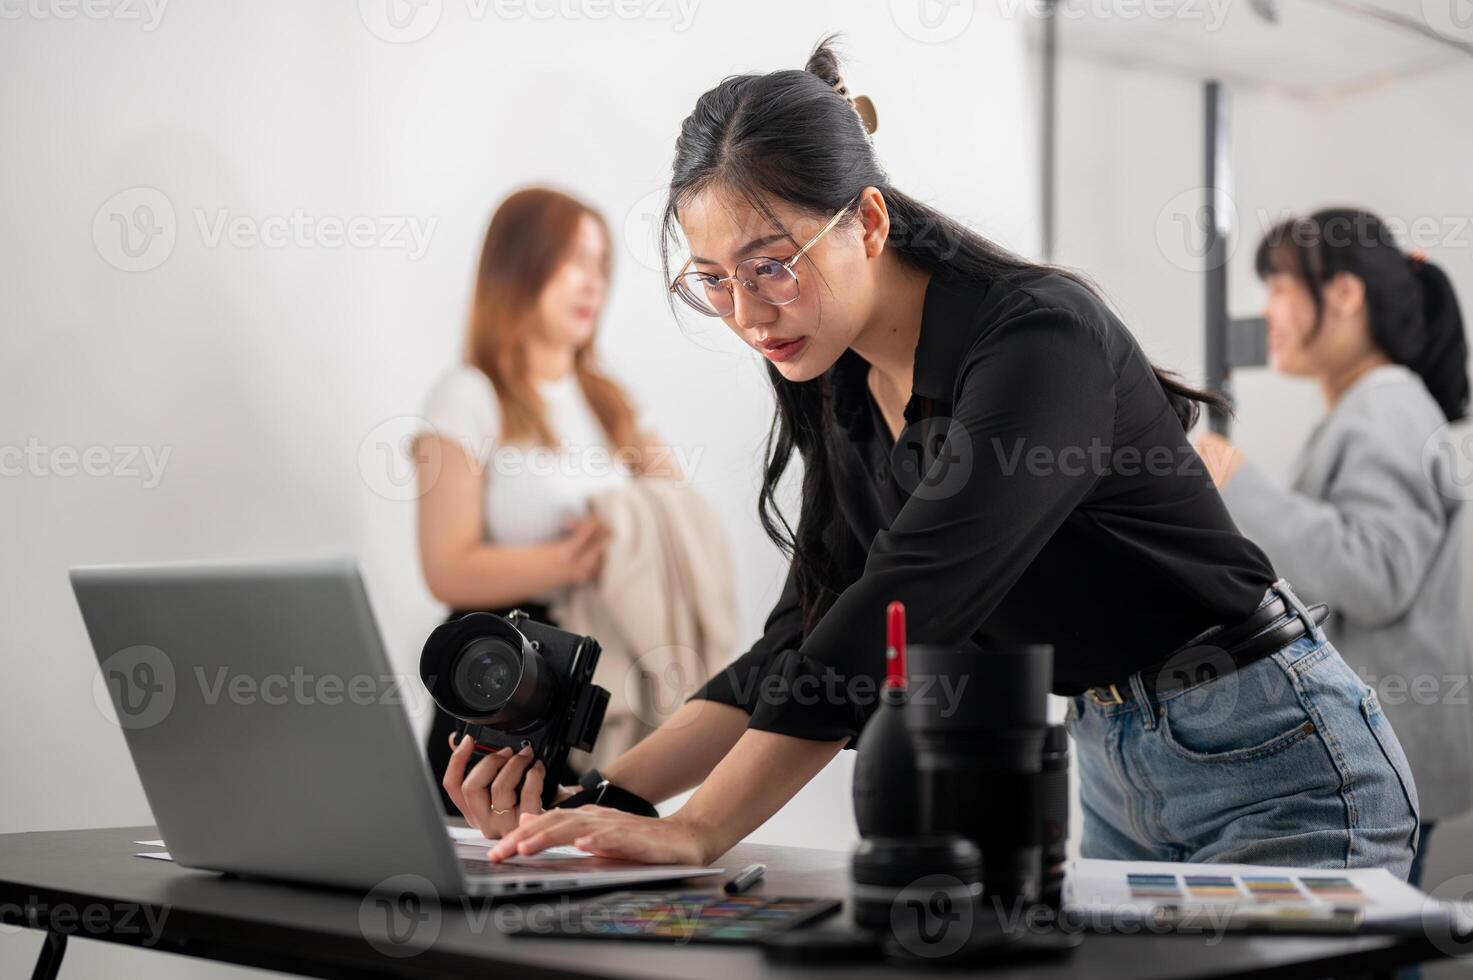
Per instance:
{"type": "Point", "coordinates": [979, 741]}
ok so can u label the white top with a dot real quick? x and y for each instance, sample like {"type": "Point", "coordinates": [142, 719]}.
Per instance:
{"type": "Point", "coordinates": [531, 491]}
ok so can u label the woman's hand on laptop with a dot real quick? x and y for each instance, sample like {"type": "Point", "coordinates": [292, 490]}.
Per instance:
{"type": "Point", "coordinates": [607, 833]}
{"type": "Point", "coordinates": [487, 795]}
{"type": "Point", "coordinates": [760, 773]}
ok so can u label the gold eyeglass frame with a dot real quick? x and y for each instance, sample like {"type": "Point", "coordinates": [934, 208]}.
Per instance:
{"type": "Point", "coordinates": [787, 266]}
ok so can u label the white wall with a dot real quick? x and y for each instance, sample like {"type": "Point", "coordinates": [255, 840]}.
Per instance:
{"type": "Point", "coordinates": [1131, 169]}
{"type": "Point", "coordinates": [264, 372]}
{"type": "Point", "coordinates": [1129, 180]}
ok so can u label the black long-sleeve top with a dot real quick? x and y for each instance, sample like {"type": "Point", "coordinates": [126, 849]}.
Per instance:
{"type": "Point", "coordinates": [1043, 490]}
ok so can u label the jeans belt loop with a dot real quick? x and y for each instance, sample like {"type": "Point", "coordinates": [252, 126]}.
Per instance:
{"type": "Point", "coordinates": [1143, 700]}
{"type": "Point", "coordinates": [1311, 627]}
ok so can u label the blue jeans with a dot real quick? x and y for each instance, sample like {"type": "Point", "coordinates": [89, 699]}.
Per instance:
{"type": "Point", "coordinates": [1288, 761]}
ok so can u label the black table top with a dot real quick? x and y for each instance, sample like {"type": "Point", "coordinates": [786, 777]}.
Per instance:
{"type": "Point", "coordinates": [95, 886]}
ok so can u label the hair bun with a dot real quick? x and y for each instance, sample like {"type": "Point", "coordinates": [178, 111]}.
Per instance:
{"type": "Point", "coordinates": [824, 61]}
{"type": "Point", "coordinates": [824, 64]}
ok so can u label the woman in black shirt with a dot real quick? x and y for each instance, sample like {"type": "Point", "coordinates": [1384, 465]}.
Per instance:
{"type": "Point", "coordinates": [984, 441]}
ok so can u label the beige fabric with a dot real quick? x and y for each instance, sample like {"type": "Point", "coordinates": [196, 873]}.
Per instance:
{"type": "Point", "coordinates": [664, 609]}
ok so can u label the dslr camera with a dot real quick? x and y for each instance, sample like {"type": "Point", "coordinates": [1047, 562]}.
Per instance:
{"type": "Point", "coordinates": [513, 682]}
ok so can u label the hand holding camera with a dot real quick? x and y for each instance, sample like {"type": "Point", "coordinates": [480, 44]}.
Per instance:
{"type": "Point", "coordinates": [487, 793]}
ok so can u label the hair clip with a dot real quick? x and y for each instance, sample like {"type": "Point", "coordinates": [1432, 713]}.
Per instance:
{"type": "Point", "coordinates": [1417, 256]}
{"type": "Point", "coordinates": [862, 105]}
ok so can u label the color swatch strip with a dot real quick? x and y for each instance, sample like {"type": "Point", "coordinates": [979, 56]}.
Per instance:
{"type": "Point", "coordinates": [1212, 886]}
{"type": "Point", "coordinates": [1153, 886]}
{"type": "Point", "coordinates": [1334, 890]}
{"type": "Point", "coordinates": [1273, 889]}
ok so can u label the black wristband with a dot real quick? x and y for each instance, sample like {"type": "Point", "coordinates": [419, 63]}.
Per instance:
{"type": "Point", "coordinates": [604, 793]}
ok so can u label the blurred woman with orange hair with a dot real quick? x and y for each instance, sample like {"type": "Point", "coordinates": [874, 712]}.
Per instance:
{"type": "Point", "coordinates": [521, 435]}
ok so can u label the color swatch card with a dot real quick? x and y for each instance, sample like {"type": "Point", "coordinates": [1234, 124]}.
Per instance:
{"type": "Point", "coordinates": [1098, 887]}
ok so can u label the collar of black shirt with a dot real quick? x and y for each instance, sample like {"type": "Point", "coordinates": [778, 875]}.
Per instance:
{"type": "Point", "coordinates": [948, 327]}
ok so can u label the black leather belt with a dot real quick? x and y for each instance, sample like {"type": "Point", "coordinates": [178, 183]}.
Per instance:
{"type": "Point", "coordinates": [1218, 654]}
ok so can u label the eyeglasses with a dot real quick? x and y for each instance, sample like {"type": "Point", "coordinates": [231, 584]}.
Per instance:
{"type": "Point", "coordinates": [770, 280]}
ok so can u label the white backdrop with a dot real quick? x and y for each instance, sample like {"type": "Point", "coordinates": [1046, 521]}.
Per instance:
{"type": "Point", "coordinates": [238, 246]}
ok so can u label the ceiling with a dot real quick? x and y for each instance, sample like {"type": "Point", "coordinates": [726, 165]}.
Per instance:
{"type": "Point", "coordinates": [1317, 47]}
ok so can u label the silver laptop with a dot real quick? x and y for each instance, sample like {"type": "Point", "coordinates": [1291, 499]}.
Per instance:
{"type": "Point", "coordinates": [272, 738]}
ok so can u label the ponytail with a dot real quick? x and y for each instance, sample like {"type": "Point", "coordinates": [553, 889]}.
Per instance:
{"type": "Point", "coordinates": [1443, 360]}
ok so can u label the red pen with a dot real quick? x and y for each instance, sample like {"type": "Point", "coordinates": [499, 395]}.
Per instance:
{"type": "Point", "coordinates": [895, 645]}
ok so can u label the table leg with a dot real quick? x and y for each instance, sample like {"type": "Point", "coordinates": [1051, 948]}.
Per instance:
{"type": "Point", "coordinates": [48, 964]}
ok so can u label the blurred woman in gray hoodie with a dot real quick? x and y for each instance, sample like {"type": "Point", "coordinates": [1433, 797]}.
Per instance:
{"type": "Point", "coordinates": [1372, 521]}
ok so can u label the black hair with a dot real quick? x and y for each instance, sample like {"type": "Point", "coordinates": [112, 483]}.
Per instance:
{"type": "Point", "coordinates": [790, 136]}
{"type": "Point", "coordinates": [1410, 305]}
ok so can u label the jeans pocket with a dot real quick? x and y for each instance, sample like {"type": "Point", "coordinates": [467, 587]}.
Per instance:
{"type": "Point", "coordinates": [1249, 714]}
{"type": "Point", "coordinates": [1233, 741]}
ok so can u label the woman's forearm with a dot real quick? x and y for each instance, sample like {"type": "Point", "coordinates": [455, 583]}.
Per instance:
{"type": "Point", "coordinates": [681, 752]}
{"type": "Point", "coordinates": [762, 772]}
{"type": "Point", "coordinates": [461, 568]}
{"type": "Point", "coordinates": [488, 576]}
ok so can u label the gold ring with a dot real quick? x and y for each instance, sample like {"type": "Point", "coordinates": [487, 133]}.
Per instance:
{"type": "Point", "coordinates": [499, 812]}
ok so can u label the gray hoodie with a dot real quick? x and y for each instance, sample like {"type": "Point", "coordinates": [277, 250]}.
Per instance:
{"type": "Point", "coordinates": [1373, 525]}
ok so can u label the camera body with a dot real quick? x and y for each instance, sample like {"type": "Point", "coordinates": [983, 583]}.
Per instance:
{"type": "Point", "coordinates": [513, 682]}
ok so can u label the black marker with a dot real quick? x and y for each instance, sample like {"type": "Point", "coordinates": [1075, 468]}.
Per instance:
{"type": "Point", "coordinates": [745, 879]}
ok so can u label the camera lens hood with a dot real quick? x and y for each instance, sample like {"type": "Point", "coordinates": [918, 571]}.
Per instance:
{"type": "Point", "coordinates": [460, 656]}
